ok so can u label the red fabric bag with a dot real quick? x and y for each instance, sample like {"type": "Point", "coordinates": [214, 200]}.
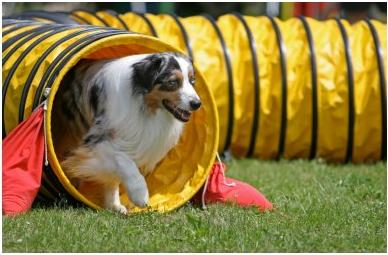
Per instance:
{"type": "Point", "coordinates": [221, 189]}
{"type": "Point", "coordinates": [23, 153]}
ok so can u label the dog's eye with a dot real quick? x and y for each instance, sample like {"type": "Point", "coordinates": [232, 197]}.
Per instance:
{"type": "Point", "coordinates": [192, 81]}
{"type": "Point", "coordinates": [173, 83]}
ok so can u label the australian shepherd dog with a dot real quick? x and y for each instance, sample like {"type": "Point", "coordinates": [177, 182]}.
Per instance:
{"type": "Point", "coordinates": [124, 115]}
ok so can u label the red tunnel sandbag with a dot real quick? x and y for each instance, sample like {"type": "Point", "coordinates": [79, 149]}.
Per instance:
{"type": "Point", "coordinates": [23, 153]}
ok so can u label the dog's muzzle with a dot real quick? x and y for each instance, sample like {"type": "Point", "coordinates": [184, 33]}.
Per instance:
{"type": "Point", "coordinates": [195, 104]}
{"type": "Point", "coordinates": [179, 113]}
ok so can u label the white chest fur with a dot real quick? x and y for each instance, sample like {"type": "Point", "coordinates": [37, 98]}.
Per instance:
{"type": "Point", "coordinates": [147, 140]}
{"type": "Point", "coordinates": [144, 137]}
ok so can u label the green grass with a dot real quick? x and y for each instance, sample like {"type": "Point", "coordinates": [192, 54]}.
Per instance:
{"type": "Point", "coordinates": [320, 208]}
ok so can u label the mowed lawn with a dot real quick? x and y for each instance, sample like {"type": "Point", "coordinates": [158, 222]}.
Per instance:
{"type": "Point", "coordinates": [320, 208]}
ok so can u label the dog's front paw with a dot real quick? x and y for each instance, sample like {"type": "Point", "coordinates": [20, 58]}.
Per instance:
{"type": "Point", "coordinates": [140, 197]}
{"type": "Point", "coordinates": [120, 208]}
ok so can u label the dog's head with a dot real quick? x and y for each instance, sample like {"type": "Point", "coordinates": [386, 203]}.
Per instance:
{"type": "Point", "coordinates": [167, 80]}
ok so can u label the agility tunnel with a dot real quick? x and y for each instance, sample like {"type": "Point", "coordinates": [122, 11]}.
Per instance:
{"type": "Point", "coordinates": [299, 88]}
{"type": "Point", "coordinates": [36, 57]}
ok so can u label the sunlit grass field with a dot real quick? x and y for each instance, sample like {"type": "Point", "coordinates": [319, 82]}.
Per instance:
{"type": "Point", "coordinates": [319, 208]}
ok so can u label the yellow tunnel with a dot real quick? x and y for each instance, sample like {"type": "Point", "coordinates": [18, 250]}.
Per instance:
{"type": "Point", "coordinates": [36, 56]}
{"type": "Point", "coordinates": [299, 88]}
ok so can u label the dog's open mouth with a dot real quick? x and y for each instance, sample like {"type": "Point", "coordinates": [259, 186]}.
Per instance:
{"type": "Point", "coordinates": [178, 113]}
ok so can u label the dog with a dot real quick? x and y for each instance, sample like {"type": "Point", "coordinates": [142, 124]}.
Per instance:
{"type": "Point", "coordinates": [124, 115]}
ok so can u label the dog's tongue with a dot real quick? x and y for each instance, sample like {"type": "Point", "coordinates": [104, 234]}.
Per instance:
{"type": "Point", "coordinates": [185, 115]}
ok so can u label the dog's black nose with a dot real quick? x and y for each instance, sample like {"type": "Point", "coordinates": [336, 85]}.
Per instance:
{"type": "Point", "coordinates": [195, 104]}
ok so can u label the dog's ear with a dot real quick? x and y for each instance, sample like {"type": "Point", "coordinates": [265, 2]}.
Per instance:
{"type": "Point", "coordinates": [145, 73]}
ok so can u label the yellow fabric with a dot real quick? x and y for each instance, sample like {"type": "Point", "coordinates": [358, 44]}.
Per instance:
{"type": "Point", "coordinates": [367, 90]}
{"type": "Point", "coordinates": [12, 34]}
{"type": "Point", "coordinates": [236, 40]}
{"type": "Point", "coordinates": [332, 90]}
{"type": "Point", "coordinates": [9, 26]}
{"type": "Point", "coordinates": [110, 19]}
{"type": "Point", "coordinates": [209, 58]}
{"type": "Point", "coordinates": [136, 23]}
{"type": "Point", "coordinates": [299, 97]}
{"type": "Point", "coordinates": [382, 34]}
{"type": "Point", "coordinates": [180, 175]}
{"type": "Point", "coordinates": [15, 88]}
{"type": "Point", "coordinates": [16, 32]}
{"type": "Point", "coordinates": [168, 30]}
{"type": "Point", "coordinates": [267, 139]}
{"type": "Point", "coordinates": [43, 20]}
{"type": "Point", "coordinates": [80, 21]}
{"type": "Point", "coordinates": [91, 19]}
{"type": "Point", "coordinates": [332, 81]}
{"type": "Point", "coordinates": [332, 84]}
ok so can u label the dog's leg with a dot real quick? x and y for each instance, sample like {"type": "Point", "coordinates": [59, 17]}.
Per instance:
{"type": "Point", "coordinates": [132, 179]}
{"type": "Point", "coordinates": [87, 170]}
{"type": "Point", "coordinates": [112, 199]}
